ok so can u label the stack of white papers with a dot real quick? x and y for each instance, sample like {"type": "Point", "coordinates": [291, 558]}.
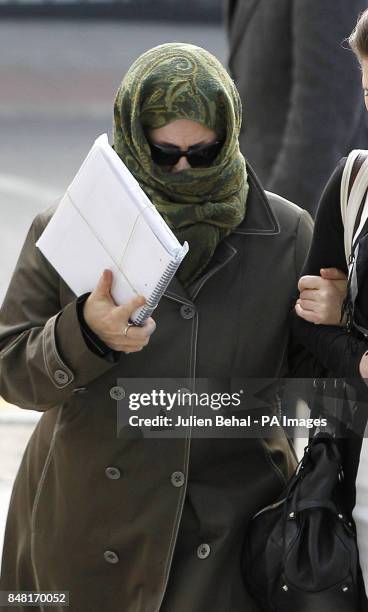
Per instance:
{"type": "Point", "coordinates": [105, 220]}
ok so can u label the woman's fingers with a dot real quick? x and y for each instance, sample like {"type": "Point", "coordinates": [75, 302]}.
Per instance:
{"type": "Point", "coordinates": [320, 300]}
{"type": "Point", "coordinates": [325, 309]}
{"type": "Point", "coordinates": [131, 338]}
{"type": "Point", "coordinates": [141, 332]}
{"type": "Point", "coordinates": [314, 312]}
{"type": "Point", "coordinates": [316, 282]}
{"type": "Point", "coordinates": [125, 311]}
{"type": "Point", "coordinates": [333, 274]}
{"type": "Point", "coordinates": [310, 294]}
{"type": "Point", "coordinates": [310, 282]}
{"type": "Point", "coordinates": [310, 305]}
{"type": "Point", "coordinates": [307, 315]}
{"type": "Point", "coordinates": [112, 323]}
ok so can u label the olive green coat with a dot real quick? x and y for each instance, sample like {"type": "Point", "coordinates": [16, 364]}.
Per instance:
{"type": "Point", "coordinates": [108, 536]}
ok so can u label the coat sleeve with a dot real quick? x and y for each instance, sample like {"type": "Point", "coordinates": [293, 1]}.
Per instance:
{"type": "Point", "coordinates": [43, 354]}
{"type": "Point", "coordinates": [303, 241]}
{"type": "Point", "coordinates": [334, 350]}
{"type": "Point", "coordinates": [326, 102]}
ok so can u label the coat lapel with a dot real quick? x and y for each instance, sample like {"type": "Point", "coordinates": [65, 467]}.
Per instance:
{"type": "Point", "coordinates": [259, 220]}
{"type": "Point", "coordinates": [223, 254]}
{"type": "Point", "coordinates": [175, 291]}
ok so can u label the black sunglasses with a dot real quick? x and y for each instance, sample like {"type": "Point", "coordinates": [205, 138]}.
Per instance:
{"type": "Point", "coordinates": [197, 156]}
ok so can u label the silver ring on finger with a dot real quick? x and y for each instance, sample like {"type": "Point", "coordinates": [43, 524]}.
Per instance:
{"type": "Point", "coordinates": [127, 327]}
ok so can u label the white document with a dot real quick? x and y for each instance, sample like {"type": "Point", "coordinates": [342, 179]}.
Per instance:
{"type": "Point", "coordinates": [105, 220]}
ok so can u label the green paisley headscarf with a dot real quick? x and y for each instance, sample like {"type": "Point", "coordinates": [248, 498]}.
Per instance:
{"type": "Point", "coordinates": [201, 205]}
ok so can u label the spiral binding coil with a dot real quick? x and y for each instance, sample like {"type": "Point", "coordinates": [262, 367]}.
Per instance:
{"type": "Point", "coordinates": [158, 291]}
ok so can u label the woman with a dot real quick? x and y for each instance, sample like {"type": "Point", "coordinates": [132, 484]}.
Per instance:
{"type": "Point", "coordinates": [322, 295]}
{"type": "Point", "coordinates": [153, 524]}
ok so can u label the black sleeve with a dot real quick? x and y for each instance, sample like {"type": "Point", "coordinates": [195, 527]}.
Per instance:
{"type": "Point", "coordinates": [94, 343]}
{"type": "Point", "coordinates": [334, 348]}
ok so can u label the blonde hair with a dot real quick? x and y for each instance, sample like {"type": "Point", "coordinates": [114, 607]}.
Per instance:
{"type": "Point", "coordinates": [358, 39]}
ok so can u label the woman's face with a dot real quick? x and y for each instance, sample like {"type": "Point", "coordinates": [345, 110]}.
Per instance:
{"type": "Point", "coordinates": [182, 134]}
{"type": "Point", "coordinates": [364, 63]}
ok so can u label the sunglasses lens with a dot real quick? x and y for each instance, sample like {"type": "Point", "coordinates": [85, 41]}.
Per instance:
{"type": "Point", "coordinates": [204, 156]}
{"type": "Point", "coordinates": [164, 157]}
{"type": "Point", "coordinates": [201, 157]}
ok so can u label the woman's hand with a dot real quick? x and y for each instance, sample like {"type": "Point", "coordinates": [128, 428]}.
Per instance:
{"type": "Point", "coordinates": [321, 297]}
{"type": "Point", "coordinates": [110, 321]}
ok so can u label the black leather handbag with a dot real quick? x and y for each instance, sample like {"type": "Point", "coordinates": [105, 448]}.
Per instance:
{"type": "Point", "coordinates": [300, 553]}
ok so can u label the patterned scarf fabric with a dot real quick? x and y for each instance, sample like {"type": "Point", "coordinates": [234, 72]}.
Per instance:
{"type": "Point", "coordinates": [201, 205]}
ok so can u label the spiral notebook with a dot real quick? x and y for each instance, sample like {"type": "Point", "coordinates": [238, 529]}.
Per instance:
{"type": "Point", "coordinates": [105, 220]}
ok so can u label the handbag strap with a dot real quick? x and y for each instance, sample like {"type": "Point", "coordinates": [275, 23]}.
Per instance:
{"type": "Point", "coordinates": [353, 189]}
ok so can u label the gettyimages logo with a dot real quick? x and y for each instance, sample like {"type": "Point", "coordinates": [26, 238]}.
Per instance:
{"type": "Point", "coordinates": [214, 408]}
{"type": "Point", "coordinates": [183, 397]}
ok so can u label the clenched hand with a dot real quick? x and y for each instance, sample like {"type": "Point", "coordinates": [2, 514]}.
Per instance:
{"type": "Point", "coordinates": [321, 297]}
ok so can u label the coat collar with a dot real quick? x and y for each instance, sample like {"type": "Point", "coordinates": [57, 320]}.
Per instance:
{"type": "Point", "coordinates": [259, 220]}
{"type": "Point", "coordinates": [223, 254]}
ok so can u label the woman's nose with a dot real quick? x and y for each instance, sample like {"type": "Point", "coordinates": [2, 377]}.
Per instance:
{"type": "Point", "coordinates": [182, 164]}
